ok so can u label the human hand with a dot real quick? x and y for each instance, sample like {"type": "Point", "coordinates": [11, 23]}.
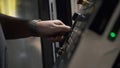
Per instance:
{"type": "Point", "coordinates": [53, 30]}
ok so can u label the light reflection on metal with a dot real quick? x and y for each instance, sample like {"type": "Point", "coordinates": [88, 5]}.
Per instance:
{"type": "Point", "coordinates": [8, 7]}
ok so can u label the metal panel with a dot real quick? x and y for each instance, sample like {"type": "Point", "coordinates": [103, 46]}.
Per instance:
{"type": "Point", "coordinates": [92, 50]}
{"type": "Point", "coordinates": [95, 51]}
{"type": "Point", "coordinates": [25, 53]}
{"type": "Point", "coordinates": [3, 52]}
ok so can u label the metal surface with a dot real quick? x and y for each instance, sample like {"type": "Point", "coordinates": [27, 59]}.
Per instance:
{"type": "Point", "coordinates": [85, 48]}
{"type": "Point", "coordinates": [95, 51]}
{"type": "Point", "coordinates": [25, 53]}
{"type": "Point", "coordinates": [2, 49]}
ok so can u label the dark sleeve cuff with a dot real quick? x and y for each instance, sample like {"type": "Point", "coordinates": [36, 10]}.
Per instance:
{"type": "Point", "coordinates": [33, 27]}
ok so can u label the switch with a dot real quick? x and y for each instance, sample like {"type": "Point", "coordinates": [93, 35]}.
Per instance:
{"type": "Point", "coordinates": [78, 17]}
{"type": "Point", "coordinates": [61, 51]}
{"type": "Point", "coordinates": [75, 15]}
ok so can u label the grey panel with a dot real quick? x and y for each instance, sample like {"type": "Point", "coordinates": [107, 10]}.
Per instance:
{"type": "Point", "coordinates": [2, 49]}
{"type": "Point", "coordinates": [25, 53]}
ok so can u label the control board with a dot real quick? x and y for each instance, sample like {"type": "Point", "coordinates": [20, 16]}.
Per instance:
{"type": "Point", "coordinates": [81, 21]}
{"type": "Point", "coordinates": [87, 46]}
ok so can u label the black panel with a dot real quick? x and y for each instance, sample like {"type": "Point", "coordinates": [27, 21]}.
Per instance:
{"type": "Point", "coordinates": [101, 20]}
{"type": "Point", "coordinates": [47, 53]}
{"type": "Point", "coordinates": [47, 50]}
{"type": "Point", "coordinates": [44, 9]}
{"type": "Point", "coordinates": [64, 11]}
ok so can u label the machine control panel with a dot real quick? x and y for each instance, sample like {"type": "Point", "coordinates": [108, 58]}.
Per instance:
{"type": "Point", "coordinates": [87, 40]}
{"type": "Point", "coordinates": [81, 21]}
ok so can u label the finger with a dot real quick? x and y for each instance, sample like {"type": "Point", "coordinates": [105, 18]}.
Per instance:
{"type": "Point", "coordinates": [63, 28]}
{"type": "Point", "coordinates": [58, 22]}
{"type": "Point", "coordinates": [55, 39]}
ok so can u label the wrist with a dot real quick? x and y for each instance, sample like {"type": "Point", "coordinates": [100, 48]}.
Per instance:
{"type": "Point", "coordinates": [33, 27]}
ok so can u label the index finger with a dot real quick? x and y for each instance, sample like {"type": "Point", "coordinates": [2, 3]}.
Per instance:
{"type": "Point", "coordinates": [58, 22]}
{"type": "Point", "coordinates": [63, 28]}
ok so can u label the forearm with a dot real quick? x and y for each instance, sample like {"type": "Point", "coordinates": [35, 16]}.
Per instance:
{"type": "Point", "coordinates": [14, 28]}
